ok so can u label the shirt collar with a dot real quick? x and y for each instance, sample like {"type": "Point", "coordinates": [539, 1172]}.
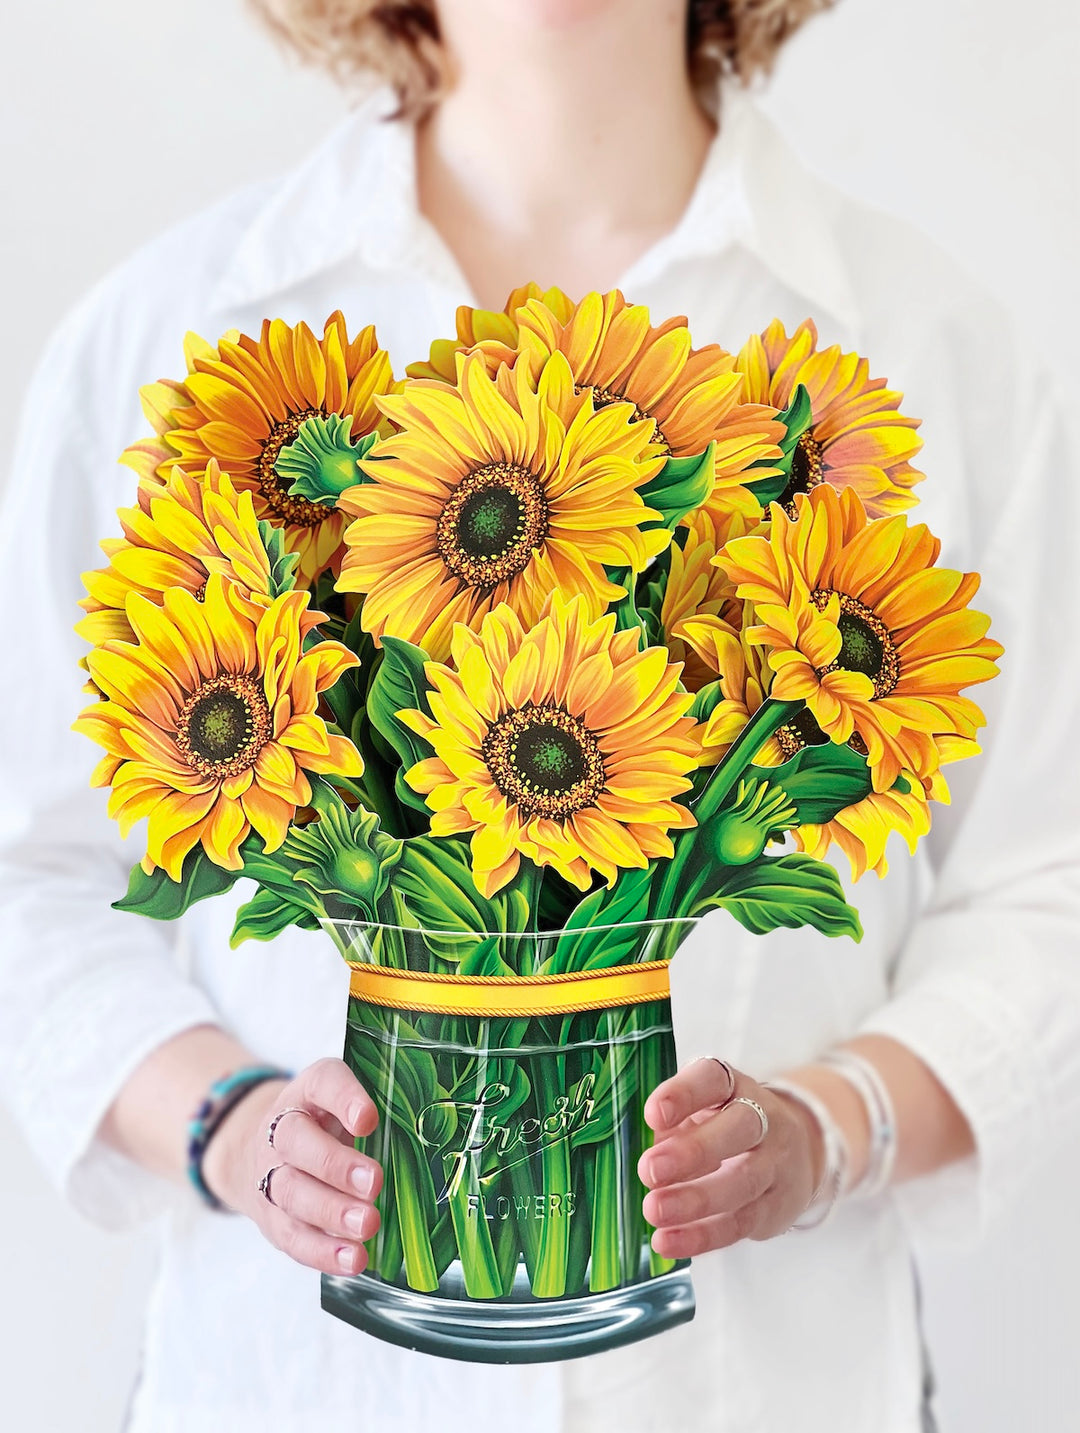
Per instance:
{"type": "Point", "coordinates": [356, 197]}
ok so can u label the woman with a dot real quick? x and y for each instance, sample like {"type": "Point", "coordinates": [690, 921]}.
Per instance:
{"type": "Point", "coordinates": [584, 143]}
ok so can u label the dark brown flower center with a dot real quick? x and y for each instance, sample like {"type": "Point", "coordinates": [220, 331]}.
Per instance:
{"type": "Point", "coordinates": [544, 760]}
{"type": "Point", "coordinates": [795, 736]}
{"type": "Point", "coordinates": [276, 495]}
{"type": "Point", "coordinates": [492, 524]}
{"type": "Point", "coordinates": [866, 644]}
{"type": "Point", "coordinates": [224, 725]}
{"type": "Point", "coordinates": [807, 471]}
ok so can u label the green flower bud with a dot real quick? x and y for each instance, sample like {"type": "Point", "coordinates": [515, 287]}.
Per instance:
{"type": "Point", "coordinates": [321, 461]}
{"type": "Point", "coordinates": [760, 810]}
{"type": "Point", "coordinates": [354, 871]}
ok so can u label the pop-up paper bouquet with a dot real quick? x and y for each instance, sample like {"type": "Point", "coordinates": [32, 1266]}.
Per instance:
{"type": "Point", "coordinates": [503, 676]}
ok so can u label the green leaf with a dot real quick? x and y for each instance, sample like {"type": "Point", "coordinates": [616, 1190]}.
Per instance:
{"type": "Point", "coordinates": [163, 899]}
{"type": "Point", "coordinates": [266, 915]}
{"type": "Point", "coordinates": [792, 891]}
{"type": "Point", "coordinates": [484, 959]}
{"type": "Point", "coordinates": [434, 879]}
{"type": "Point", "coordinates": [796, 419]}
{"type": "Point", "coordinates": [283, 563]}
{"type": "Point", "coordinates": [586, 944]}
{"type": "Point", "coordinates": [706, 701]}
{"type": "Point", "coordinates": [680, 486]}
{"type": "Point", "coordinates": [820, 780]}
{"type": "Point", "coordinates": [399, 685]}
{"type": "Point", "coordinates": [348, 699]}
{"type": "Point", "coordinates": [649, 596]}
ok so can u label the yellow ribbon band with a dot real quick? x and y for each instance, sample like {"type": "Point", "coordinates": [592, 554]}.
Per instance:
{"type": "Point", "coordinates": [510, 995]}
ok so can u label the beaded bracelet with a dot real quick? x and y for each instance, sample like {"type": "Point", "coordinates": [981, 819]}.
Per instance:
{"type": "Point", "coordinates": [221, 1097]}
{"type": "Point", "coordinates": [837, 1156]}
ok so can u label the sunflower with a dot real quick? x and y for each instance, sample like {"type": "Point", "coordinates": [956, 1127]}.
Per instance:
{"type": "Point", "coordinates": [862, 831]}
{"type": "Point", "coordinates": [492, 333]}
{"type": "Point", "coordinates": [209, 721]}
{"type": "Point", "coordinates": [495, 491]}
{"type": "Point", "coordinates": [268, 409]}
{"type": "Point", "coordinates": [175, 537]}
{"type": "Point", "coordinates": [720, 648]}
{"type": "Point", "coordinates": [857, 436]}
{"type": "Point", "coordinates": [693, 395]}
{"type": "Point", "coordinates": [863, 627]}
{"type": "Point", "coordinates": [564, 743]}
{"type": "Point", "coordinates": [696, 587]}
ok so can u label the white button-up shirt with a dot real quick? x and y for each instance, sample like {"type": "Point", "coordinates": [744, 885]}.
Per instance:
{"type": "Point", "coordinates": [970, 955]}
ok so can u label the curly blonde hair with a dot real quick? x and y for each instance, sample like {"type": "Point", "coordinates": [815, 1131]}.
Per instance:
{"type": "Point", "coordinates": [398, 40]}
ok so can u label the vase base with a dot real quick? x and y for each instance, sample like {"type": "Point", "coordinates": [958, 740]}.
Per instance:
{"type": "Point", "coordinates": [517, 1329]}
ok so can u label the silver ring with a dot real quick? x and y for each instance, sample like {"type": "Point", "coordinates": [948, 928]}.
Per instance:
{"type": "Point", "coordinates": [730, 1073]}
{"type": "Point", "coordinates": [762, 1116]}
{"type": "Point", "coordinates": [288, 1110]}
{"type": "Point", "coordinates": [264, 1184]}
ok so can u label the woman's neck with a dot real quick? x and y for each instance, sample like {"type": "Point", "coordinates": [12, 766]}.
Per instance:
{"type": "Point", "coordinates": [564, 149]}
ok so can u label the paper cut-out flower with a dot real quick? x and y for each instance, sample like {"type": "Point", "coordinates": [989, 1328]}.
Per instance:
{"type": "Point", "coordinates": [264, 408]}
{"type": "Point", "coordinates": [696, 587]}
{"type": "Point", "coordinates": [210, 721]}
{"type": "Point", "coordinates": [494, 332]}
{"type": "Point", "coordinates": [564, 743]}
{"type": "Point", "coordinates": [857, 436]}
{"type": "Point", "coordinates": [722, 652]}
{"type": "Point", "coordinates": [495, 491]}
{"type": "Point", "coordinates": [175, 537]}
{"type": "Point", "coordinates": [862, 831]}
{"type": "Point", "coordinates": [694, 395]}
{"type": "Point", "coordinates": [864, 628]}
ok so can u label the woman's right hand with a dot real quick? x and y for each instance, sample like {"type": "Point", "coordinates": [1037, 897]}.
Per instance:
{"type": "Point", "coordinates": [323, 1190]}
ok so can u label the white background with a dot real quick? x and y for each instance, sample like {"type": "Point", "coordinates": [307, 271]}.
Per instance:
{"type": "Point", "coordinates": [119, 117]}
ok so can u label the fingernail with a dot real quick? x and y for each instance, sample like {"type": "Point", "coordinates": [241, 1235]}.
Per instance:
{"type": "Point", "coordinates": [356, 1114]}
{"type": "Point", "coordinates": [661, 1168]}
{"type": "Point", "coordinates": [363, 1180]}
{"type": "Point", "coordinates": [355, 1220]}
{"type": "Point", "coordinates": [346, 1257]}
{"type": "Point", "coordinates": [667, 1111]}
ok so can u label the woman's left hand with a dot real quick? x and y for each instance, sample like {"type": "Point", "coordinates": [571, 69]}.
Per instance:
{"type": "Point", "coordinates": [712, 1179]}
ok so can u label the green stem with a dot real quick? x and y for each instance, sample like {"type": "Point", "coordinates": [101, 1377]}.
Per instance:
{"type": "Point", "coordinates": [443, 1245]}
{"type": "Point", "coordinates": [653, 1073]}
{"type": "Point", "coordinates": [552, 1257]}
{"type": "Point", "coordinates": [522, 1187]}
{"type": "Point", "coordinates": [479, 1266]}
{"type": "Point", "coordinates": [767, 720]}
{"type": "Point", "coordinates": [507, 1243]}
{"type": "Point", "coordinates": [604, 1215]}
{"type": "Point", "coordinates": [386, 1249]}
{"type": "Point", "coordinates": [415, 1218]}
{"type": "Point", "coordinates": [629, 1132]}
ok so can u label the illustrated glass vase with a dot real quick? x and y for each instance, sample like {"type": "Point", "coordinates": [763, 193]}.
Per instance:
{"type": "Point", "coordinates": [510, 1128]}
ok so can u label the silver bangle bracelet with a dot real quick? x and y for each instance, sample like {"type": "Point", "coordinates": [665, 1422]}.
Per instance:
{"type": "Point", "coordinates": [866, 1080]}
{"type": "Point", "coordinates": [837, 1157]}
